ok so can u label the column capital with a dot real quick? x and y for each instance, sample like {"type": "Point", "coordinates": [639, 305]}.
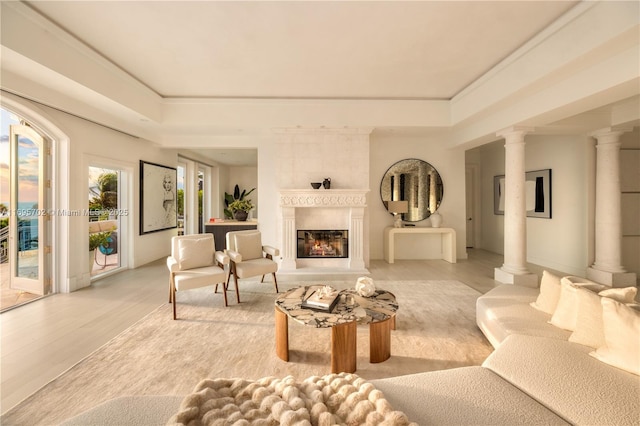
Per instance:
{"type": "Point", "coordinates": [609, 134]}
{"type": "Point", "coordinates": [518, 131]}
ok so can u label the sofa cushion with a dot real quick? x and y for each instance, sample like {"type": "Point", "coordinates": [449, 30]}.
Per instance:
{"type": "Point", "coordinates": [505, 310]}
{"type": "Point", "coordinates": [195, 253]}
{"type": "Point", "coordinates": [564, 378]}
{"type": "Point", "coordinates": [260, 266]}
{"type": "Point", "coordinates": [566, 313]}
{"type": "Point", "coordinates": [623, 295]}
{"type": "Point", "coordinates": [589, 330]}
{"type": "Point", "coordinates": [621, 335]}
{"type": "Point", "coordinates": [463, 396]}
{"type": "Point", "coordinates": [249, 245]}
{"type": "Point", "coordinates": [129, 410]}
{"type": "Point", "coordinates": [549, 293]}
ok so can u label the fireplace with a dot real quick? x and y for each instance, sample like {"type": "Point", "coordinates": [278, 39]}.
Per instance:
{"type": "Point", "coordinates": [323, 243]}
{"type": "Point", "coordinates": [312, 210]}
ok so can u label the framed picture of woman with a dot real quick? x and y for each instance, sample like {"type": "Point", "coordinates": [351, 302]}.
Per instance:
{"type": "Point", "coordinates": [157, 197]}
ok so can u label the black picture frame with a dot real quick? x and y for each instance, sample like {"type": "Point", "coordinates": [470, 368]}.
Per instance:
{"type": "Point", "coordinates": [158, 197]}
{"type": "Point", "coordinates": [538, 194]}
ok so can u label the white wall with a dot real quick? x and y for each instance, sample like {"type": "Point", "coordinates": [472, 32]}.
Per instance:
{"type": "Point", "coordinates": [303, 156]}
{"type": "Point", "coordinates": [562, 242]}
{"type": "Point", "coordinates": [246, 178]}
{"type": "Point", "coordinates": [268, 222]}
{"type": "Point", "coordinates": [385, 151]}
{"type": "Point", "coordinates": [89, 142]}
{"type": "Point", "coordinates": [630, 185]}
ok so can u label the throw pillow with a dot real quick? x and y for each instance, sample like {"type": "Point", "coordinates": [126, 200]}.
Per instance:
{"type": "Point", "coordinates": [589, 330]}
{"type": "Point", "coordinates": [566, 314]}
{"type": "Point", "coordinates": [621, 331]}
{"type": "Point", "coordinates": [195, 253]}
{"type": "Point", "coordinates": [249, 245]}
{"type": "Point", "coordinates": [623, 294]}
{"type": "Point", "coordinates": [549, 293]}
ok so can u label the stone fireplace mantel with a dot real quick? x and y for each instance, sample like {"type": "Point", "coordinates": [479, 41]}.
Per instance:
{"type": "Point", "coordinates": [348, 204]}
{"type": "Point", "coordinates": [323, 198]}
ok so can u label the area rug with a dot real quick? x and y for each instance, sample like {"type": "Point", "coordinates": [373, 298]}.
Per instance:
{"type": "Point", "coordinates": [435, 330]}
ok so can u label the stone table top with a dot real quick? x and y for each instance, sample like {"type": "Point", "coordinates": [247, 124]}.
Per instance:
{"type": "Point", "coordinates": [380, 306]}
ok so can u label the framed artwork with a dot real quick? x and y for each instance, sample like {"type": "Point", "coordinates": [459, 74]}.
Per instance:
{"type": "Point", "coordinates": [537, 194]}
{"type": "Point", "coordinates": [157, 197]}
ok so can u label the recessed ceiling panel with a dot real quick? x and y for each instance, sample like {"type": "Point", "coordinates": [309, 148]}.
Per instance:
{"type": "Point", "coordinates": [321, 49]}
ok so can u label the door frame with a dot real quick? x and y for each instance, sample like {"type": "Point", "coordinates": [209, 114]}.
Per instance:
{"type": "Point", "coordinates": [125, 203]}
{"type": "Point", "coordinates": [59, 195]}
{"type": "Point", "coordinates": [476, 196]}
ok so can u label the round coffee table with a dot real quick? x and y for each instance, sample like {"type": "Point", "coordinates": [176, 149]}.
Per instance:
{"type": "Point", "coordinates": [378, 311]}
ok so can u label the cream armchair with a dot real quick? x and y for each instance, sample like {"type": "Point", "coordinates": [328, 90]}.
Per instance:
{"type": "Point", "coordinates": [194, 263]}
{"type": "Point", "coordinates": [249, 258]}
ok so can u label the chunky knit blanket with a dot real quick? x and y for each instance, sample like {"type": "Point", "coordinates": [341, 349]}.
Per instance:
{"type": "Point", "coordinates": [334, 399]}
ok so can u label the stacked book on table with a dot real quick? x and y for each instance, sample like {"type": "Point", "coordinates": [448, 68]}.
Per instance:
{"type": "Point", "coordinates": [320, 298]}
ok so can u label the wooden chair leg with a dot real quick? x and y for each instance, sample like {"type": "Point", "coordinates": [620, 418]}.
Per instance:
{"type": "Point", "coordinates": [226, 286]}
{"type": "Point", "coordinates": [173, 297]}
{"type": "Point", "coordinates": [262, 279]}
{"type": "Point", "coordinates": [235, 278]}
{"type": "Point", "coordinates": [224, 295]}
{"type": "Point", "coordinates": [275, 281]}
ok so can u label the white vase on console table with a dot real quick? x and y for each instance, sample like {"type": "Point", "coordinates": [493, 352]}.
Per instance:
{"type": "Point", "coordinates": [436, 219]}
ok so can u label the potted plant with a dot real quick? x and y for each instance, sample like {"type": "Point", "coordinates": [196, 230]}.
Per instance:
{"type": "Point", "coordinates": [230, 198]}
{"type": "Point", "coordinates": [240, 209]}
{"type": "Point", "coordinates": [97, 240]}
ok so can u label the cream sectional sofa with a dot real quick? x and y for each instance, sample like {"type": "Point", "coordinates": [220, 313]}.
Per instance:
{"type": "Point", "coordinates": [535, 376]}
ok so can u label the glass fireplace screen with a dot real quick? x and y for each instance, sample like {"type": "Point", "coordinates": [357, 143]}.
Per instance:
{"type": "Point", "coordinates": [323, 243]}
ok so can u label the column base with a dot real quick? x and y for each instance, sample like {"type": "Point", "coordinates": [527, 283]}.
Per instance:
{"type": "Point", "coordinates": [613, 279]}
{"type": "Point", "coordinates": [287, 265]}
{"type": "Point", "coordinates": [525, 280]}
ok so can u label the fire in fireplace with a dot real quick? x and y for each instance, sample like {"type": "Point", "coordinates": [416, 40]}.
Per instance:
{"type": "Point", "coordinates": [323, 243]}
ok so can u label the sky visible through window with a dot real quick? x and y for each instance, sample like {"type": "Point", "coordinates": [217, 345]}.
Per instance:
{"type": "Point", "coordinates": [28, 155]}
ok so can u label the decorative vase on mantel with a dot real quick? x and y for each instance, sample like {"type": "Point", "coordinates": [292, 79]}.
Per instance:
{"type": "Point", "coordinates": [327, 183]}
{"type": "Point", "coordinates": [240, 215]}
{"type": "Point", "coordinates": [436, 219]}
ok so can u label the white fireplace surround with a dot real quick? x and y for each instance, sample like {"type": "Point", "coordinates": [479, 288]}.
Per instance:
{"type": "Point", "coordinates": [326, 208]}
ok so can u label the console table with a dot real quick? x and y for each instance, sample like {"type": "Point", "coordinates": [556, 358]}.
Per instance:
{"type": "Point", "coordinates": [448, 240]}
{"type": "Point", "coordinates": [220, 229]}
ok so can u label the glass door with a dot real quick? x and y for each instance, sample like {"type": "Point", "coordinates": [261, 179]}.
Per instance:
{"type": "Point", "coordinates": [28, 218]}
{"type": "Point", "coordinates": [201, 200]}
{"type": "Point", "coordinates": [180, 197]}
{"type": "Point", "coordinates": [105, 224]}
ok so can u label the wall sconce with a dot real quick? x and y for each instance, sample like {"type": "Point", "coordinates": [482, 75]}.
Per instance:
{"type": "Point", "coordinates": [397, 208]}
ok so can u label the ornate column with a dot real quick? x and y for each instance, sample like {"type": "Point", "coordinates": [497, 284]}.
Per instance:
{"type": "Point", "coordinates": [514, 270]}
{"type": "Point", "coordinates": [289, 249]}
{"type": "Point", "coordinates": [607, 268]}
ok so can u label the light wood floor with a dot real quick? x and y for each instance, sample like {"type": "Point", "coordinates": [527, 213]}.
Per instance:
{"type": "Point", "coordinates": [46, 337]}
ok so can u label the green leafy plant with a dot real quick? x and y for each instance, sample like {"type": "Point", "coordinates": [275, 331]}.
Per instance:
{"type": "Point", "coordinates": [99, 239]}
{"type": "Point", "coordinates": [241, 205]}
{"type": "Point", "coordinates": [236, 196]}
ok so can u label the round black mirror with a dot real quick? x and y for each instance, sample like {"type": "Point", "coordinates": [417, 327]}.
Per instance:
{"type": "Point", "coordinates": [412, 188]}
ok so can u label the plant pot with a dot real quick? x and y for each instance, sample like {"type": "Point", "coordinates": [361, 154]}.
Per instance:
{"type": "Point", "coordinates": [240, 215]}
